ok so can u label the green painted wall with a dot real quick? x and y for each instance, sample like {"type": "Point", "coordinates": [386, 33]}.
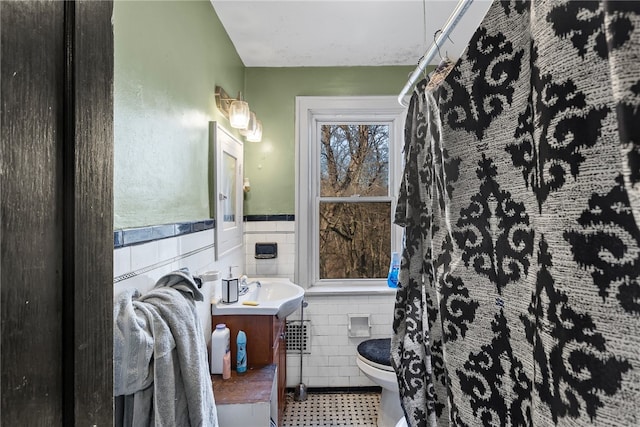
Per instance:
{"type": "Point", "coordinates": [271, 92]}
{"type": "Point", "coordinates": [169, 55]}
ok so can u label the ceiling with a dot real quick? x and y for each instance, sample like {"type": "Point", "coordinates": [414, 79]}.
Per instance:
{"type": "Point", "coordinates": [316, 33]}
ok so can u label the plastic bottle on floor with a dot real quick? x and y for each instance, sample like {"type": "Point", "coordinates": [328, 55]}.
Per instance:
{"type": "Point", "coordinates": [226, 366]}
{"type": "Point", "coordinates": [219, 346]}
{"type": "Point", "coordinates": [241, 363]}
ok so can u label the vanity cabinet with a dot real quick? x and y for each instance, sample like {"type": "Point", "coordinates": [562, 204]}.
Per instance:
{"type": "Point", "coordinates": [266, 345]}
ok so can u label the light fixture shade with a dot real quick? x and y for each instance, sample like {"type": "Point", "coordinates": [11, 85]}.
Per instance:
{"type": "Point", "coordinates": [256, 135]}
{"type": "Point", "coordinates": [251, 127]}
{"type": "Point", "coordinates": [239, 114]}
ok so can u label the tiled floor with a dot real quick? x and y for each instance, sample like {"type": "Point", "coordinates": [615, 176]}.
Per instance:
{"type": "Point", "coordinates": [332, 409]}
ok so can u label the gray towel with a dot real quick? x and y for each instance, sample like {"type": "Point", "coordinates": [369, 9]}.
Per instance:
{"type": "Point", "coordinates": [181, 280]}
{"type": "Point", "coordinates": [160, 357]}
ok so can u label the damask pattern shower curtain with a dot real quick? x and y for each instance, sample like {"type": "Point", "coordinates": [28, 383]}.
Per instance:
{"type": "Point", "coordinates": [520, 284]}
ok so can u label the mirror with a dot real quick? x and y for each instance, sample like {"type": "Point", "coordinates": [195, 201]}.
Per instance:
{"type": "Point", "coordinates": [227, 189]}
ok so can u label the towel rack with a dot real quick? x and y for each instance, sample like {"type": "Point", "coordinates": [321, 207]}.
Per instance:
{"type": "Point", "coordinates": [453, 20]}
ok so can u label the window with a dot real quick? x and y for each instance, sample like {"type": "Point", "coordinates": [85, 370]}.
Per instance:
{"type": "Point", "coordinates": [349, 154]}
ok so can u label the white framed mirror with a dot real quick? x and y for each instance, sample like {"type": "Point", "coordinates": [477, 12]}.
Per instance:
{"type": "Point", "coordinates": [227, 189]}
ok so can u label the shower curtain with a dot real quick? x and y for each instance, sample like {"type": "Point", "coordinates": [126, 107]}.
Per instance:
{"type": "Point", "coordinates": [520, 282]}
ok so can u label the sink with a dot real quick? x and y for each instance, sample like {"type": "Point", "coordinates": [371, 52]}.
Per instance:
{"type": "Point", "coordinates": [275, 296]}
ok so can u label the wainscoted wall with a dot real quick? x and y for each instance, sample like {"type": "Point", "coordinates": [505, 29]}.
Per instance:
{"type": "Point", "coordinates": [331, 361]}
{"type": "Point", "coordinates": [140, 265]}
{"type": "Point", "coordinates": [269, 229]}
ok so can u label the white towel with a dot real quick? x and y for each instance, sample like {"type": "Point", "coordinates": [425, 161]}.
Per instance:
{"type": "Point", "coordinates": [159, 345]}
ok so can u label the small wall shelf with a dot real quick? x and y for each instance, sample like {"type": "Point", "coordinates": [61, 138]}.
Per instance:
{"type": "Point", "coordinates": [359, 325]}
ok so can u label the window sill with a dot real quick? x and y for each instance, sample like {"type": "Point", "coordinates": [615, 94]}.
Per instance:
{"type": "Point", "coordinates": [329, 290]}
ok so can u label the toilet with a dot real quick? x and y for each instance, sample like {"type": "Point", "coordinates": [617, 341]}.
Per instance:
{"type": "Point", "coordinates": [374, 360]}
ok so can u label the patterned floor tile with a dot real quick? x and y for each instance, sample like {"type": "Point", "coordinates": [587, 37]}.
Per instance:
{"type": "Point", "coordinates": [332, 410]}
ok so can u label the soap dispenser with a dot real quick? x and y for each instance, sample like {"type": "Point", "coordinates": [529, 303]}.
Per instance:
{"type": "Point", "coordinates": [230, 288]}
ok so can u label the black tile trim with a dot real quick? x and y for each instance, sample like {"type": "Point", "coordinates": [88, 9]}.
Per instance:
{"type": "Point", "coordinates": [135, 236]}
{"type": "Point", "coordinates": [279, 217]}
{"type": "Point", "coordinates": [202, 225]}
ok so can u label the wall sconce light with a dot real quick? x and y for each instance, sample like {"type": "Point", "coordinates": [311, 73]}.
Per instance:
{"type": "Point", "coordinates": [253, 132]}
{"type": "Point", "coordinates": [251, 127]}
{"type": "Point", "coordinates": [239, 115]}
{"type": "Point", "coordinates": [236, 110]}
{"type": "Point", "coordinates": [256, 134]}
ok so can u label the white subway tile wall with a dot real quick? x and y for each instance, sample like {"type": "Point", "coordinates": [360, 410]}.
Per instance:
{"type": "Point", "coordinates": [121, 261]}
{"type": "Point", "coordinates": [331, 361]}
{"type": "Point", "coordinates": [163, 256]}
{"type": "Point", "coordinates": [332, 358]}
{"type": "Point", "coordinates": [280, 232]}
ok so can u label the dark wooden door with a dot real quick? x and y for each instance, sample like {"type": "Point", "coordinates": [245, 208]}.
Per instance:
{"type": "Point", "coordinates": [56, 220]}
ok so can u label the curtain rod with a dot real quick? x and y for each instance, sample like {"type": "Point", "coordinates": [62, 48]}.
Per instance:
{"type": "Point", "coordinates": [453, 20]}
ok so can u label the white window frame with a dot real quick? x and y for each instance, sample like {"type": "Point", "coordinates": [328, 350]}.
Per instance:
{"type": "Point", "coordinates": [311, 113]}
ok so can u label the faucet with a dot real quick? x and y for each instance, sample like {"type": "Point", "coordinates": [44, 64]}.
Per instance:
{"type": "Point", "coordinates": [244, 285]}
{"type": "Point", "coordinates": [243, 282]}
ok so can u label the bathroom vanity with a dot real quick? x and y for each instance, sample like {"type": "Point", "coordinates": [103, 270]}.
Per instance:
{"type": "Point", "coordinates": [266, 347]}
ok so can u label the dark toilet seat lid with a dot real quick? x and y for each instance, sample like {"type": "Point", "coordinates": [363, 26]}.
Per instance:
{"type": "Point", "coordinates": [376, 350]}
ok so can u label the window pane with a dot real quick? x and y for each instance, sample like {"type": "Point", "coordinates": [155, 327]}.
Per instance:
{"type": "Point", "coordinates": [355, 240]}
{"type": "Point", "coordinates": [354, 160]}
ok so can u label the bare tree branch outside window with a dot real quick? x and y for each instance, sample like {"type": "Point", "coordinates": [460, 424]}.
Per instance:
{"type": "Point", "coordinates": [355, 236]}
